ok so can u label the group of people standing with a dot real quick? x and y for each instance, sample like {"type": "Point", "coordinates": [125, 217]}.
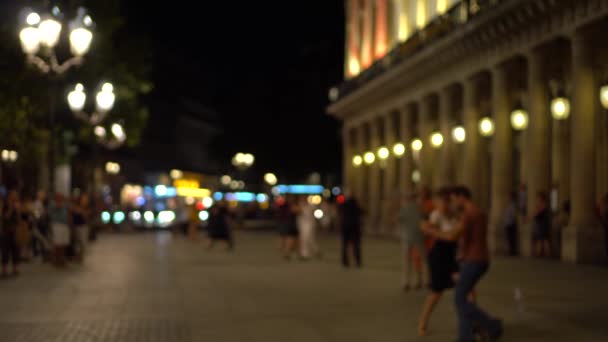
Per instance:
{"type": "Point", "coordinates": [297, 228]}
{"type": "Point", "coordinates": [52, 229]}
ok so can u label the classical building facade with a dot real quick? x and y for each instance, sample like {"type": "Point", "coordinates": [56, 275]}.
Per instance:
{"type": "Point", "coordinates": [491, 94]}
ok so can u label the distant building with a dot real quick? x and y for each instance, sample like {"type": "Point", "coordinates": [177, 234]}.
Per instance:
{"type": "Point", "coordinates": [490, 94]}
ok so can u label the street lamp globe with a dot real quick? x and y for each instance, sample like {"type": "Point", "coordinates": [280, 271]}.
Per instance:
{"type": "Point", "coordinates": [369, 158]}
{"type": "Point", "coordinates": [383, 153]}
{"type": "Point", "coordinates": [417, 145]}
{"type": "Point", "coordinates": [486, 127]}
{"type": "Point", "coordinates": [100, 131]}
{"type": "Point", "coordinates": [270, 178]}
{"type": "Point", "coordinates": [12, 156]}
{"type": "Point", "coordinates": [436, 139]}
{"type": "Point", "coordinates": [80, 41]}
{"type": "Point", "coordinates": [357, 161]}
{"type": "Point", "coordinates": [5, 155]}
{"type": "Point", "coordinates": [118, 132]}
{"type": "Point", "coordinates": [50, 29]}
{"type": "Point", "coordinates": [105, 98]}
{"type": "Point", "coordinates": [399, 149]}
{"type": "Point", "coordinates": [459, 134]}
{"type": "Point", "coordinates": [33, 19]}
{"type": "Point", "coordinates": [30, 40]}
{"type": "Point", "coordinates": [519, 119]}
{"type": "Point", "coordinates": [560, 108]}
{"type": "Point", "coordinates": [77, 98]}
{"type": "Point", "coordinates": [604, 96]}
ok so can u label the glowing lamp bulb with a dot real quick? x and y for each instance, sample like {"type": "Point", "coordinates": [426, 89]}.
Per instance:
{"type": "Point", "coordinates": [399, 149]}
{"type": "Point", "coordinates": [519, 119]}
{"type": "Point", "coordinates": [77, 98]}
{"type": "Point", "coordinates": [459, 134]}
{"type": "Point", "coordinates": [357, 161]}
{"type": "Point", "coordinates": [417, 145]}
{"type": "Point", "coordinates": [369, 158]}
{"type": "Point", "coordinates": [486, 127]}
{"type": "Point", "coordinates": [30, 40]}
{"type": "Point", "coordinates": [383, 153]}
{"type": "Point", "coordinates": [560, 108]}
{"type": "Point", "coordinates": [436, 139]}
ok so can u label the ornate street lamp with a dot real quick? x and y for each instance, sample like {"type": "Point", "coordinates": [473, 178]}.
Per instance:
{"type": "Point", "coordinates": [399, 150]}
{"type": "Point", "coordinates": [9, 156]}
{"type": "Point", "coordinates": [243, 161]}
{"type": "Point", "coordinates": [112, 168]}
{"type": "Point", "coordinates": [436, 140]}
{"type": "Point", "coordinates": [104, 102]}
{"type": "Point", "coordinates": [111, 141]}
{"type": "Point", "coordinates": [604, 96]}
{"type": "Point", "coordinates": [560, 108]}
{"type": "Point", "coordinates": [383, 153]}
{"type": "Point", "coordinates": [459, 134]}
{"type": "Point", "coordinates": [486, 127]}
{"type": "Point", "coordinates": [357, 160]}
{"type": "Point", "coordinates": [40, 35]}
{"type": "Point", "coordinates": [519, 119]}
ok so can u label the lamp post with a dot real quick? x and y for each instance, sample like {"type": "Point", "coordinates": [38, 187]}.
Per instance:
{"type": "Point", "coordinates": [39, 35]}
{"type": "Point", "coordinates": [104, 102]}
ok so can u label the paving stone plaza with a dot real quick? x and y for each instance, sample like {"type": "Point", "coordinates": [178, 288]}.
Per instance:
{"type": "Point", "coordinates": [153, 287]}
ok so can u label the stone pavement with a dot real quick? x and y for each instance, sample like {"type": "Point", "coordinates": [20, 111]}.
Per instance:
{"type": "Point", "coordinates": [151, 287]}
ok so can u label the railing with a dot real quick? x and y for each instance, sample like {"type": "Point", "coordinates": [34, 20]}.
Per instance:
{"type": "Point", "coordinates": [438, 28]}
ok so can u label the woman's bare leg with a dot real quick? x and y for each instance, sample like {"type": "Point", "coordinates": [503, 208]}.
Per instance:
{"type": "Point", "coordinates": [429, 305]}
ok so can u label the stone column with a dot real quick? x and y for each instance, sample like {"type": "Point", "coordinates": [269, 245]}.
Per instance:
{"type": "Point", "coordinates": [407, 163]}
{"type": "Point", "coordinates": [348, 171]}
{"type": "Point", "coordinates": [353, 39]}
{"type": "Point", "coordinates": [446, 167]}
{"type": "Point", "coordinates": [374, 179]}
{"type": "Point", "coordinates": [425, 128]}
{"type": "Point", "coordinates": [390, 174]}
{"type": "Point", "coordinates": [561, 159]}
{"type": "Point", "coordinates": [472, 146]}
{"type": "Point", "coordinates": [502, 158]}
{"type": "Point", "coordinates": [539, 138]}
{"type": "Point", "coordinates": [363, 184]}
{"type": "Point", "coordinates": [367, 34]}
{"type": "Point", "coordinates": [583, 239]}
{"type": "Point", "coordinates": [381, 29]}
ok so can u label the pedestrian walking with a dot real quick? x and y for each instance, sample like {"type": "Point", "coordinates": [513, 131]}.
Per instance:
{"type": "Point", "coordinates": [541, 226]}
{"type": "Point", "coordinates": [441, 257]}
{"type": "Point", "coordinates": [60, 217]}
{"type": "Point", "coordinates": [509, 224]}
{"type": "Point", "coordinates": [475, 263]}
{"type": "Point", "coordinates": [81, 216]}
{"type": "Point", "coordinates": [412, 238]}
{"type": "Point", "coordinates": [11, 218]}
{"type": "Point", "coordinates": [350, 218]}
{"type": "Point", "coordinates": [307, 229]}
{"type": "Point", "coordinates": [288, 229]}
{"type": "Point", "coordinates": [218, 226]}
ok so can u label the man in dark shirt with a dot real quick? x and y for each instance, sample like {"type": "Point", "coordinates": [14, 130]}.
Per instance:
{"type": "Point", "coordinates": [475, 263]}
{"type": "Point", "coordinates": [350, 217]}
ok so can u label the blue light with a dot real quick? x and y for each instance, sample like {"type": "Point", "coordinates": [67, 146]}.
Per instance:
{"type": "Point", "coordinates": [218, 196]}
{"type": "Point", "coordinates": [159, 206]}
{"type": "Point", "coordinates": [140, 201]}
{"type": "Point", "coordinates": [160, 191]}
{"type": "Point", "coordinates": [148, 191]}
{"type": "Point", "coordinates": [106, 217]}
{"type": "Point", "coordinates": [336, 191]}
{"type": "Point", "coordinates": [230, 196]}
{"type": "Point", "coordinates": [119, 217]}
{"type": "Point", "coordinates": [300, 189]}
{"type": "Point", "coordinates": [245, 196]}
{"type": "Point", "coordinates": [171, 192]}
{"type": "Point", "coordinates": [261, 198]}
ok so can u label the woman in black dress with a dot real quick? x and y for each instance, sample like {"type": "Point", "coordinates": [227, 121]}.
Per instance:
{"type": "Point", "coordinates": [218, 226]}
{"type": "Point", "coordinates": [542, 226]}
{"type": "Point", "coordinates": [441, 257]}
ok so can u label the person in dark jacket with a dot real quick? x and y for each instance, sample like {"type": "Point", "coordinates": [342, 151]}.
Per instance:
{"type": "Point", "coordinates": [350, 218]}
{"type": "Point", "coordinates": [218, 226]}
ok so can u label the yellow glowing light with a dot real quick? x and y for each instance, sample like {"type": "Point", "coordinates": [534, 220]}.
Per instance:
{"type": "Point", "coordinates": [383, 153]}
{"type": "Point", "coordinates": [353, 66]}
{"type": "Point", "coordinates": [604, 96]}
{"type": "Point", "coordinates": [420, 13]}
{"type": "Point", "coordinates": [519, 119]}
{"type": "Point", "coordinates": [270, 178]}
{"type": "Point", "coordinates": [417, 145]}
{"type": "Point", "coordinates": [357, 161]}
{"type": "Point", "coordinates": [369, 158]}
{"type": "Point", "coordinates": [314, 199]}
{"type": "Point", "coordinates": [486, 127]}
{"type": "Point", "coordinates": [459, 134]}
{"type": "Point", "coordinates": [177, 174]}
{"type": "Point", "coordinates": [186, 183]}
{"type": "Point", "coordinates": [560, 108]}
{"type": "Point", "coordinates": [399, 149]}
{"type": "Point", "coordinates": [404, 29]}
{"type": "Point", "coordinates": [192, 192]}
{"type": "Point", "coordinates": [442, 6]}
{"type": "Point", "coordinates": [436, 139]}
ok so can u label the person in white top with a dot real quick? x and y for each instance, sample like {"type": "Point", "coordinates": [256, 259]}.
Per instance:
{"type": "Point", "coordinates": [306, 228]}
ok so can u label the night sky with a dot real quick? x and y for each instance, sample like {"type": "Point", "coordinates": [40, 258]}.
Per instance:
{"type": "Point", "coordinates": [264, 66]}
